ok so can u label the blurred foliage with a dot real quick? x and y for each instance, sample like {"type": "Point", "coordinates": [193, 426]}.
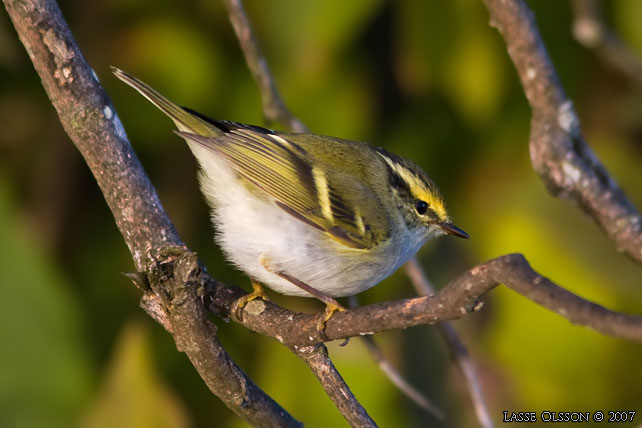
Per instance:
{"type": "Point", "coordinates": [132, 394]}
{"type": "Point", "coordinates": [427, 79]}
{"type": "Point", "coordinates": [46, 374]}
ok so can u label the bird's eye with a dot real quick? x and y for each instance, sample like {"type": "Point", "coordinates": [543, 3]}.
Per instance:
{"type": "Point", "coordinates": [421, 207]}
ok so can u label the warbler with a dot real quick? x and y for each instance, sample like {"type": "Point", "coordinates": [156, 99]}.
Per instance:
{"type": "Point", "coordinates": [307, 215]}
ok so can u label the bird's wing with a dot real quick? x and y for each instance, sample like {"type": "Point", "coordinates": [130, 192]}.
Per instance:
{"type": "Point", "coordinates": [281, 168]}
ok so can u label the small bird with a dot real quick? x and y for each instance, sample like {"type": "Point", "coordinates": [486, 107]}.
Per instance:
{"type": "Point", "coordinates": [307, 215]}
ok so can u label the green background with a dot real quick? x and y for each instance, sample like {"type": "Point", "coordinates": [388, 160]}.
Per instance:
{"type": "Point", "coordinates": [429, 80]}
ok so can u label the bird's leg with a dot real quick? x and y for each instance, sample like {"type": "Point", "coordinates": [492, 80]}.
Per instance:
{"type": "Point", "coordinates": [331, 305]}
{"type": "Point", "coordinates": [257, 292]}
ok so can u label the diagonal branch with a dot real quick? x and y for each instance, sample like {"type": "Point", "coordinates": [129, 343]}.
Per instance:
{"type": "Point", "coordinates": [91, 122]}
{"type": "Point", "coordinates": [317, 358]}
{"type": "Point", "coordinates": [558, 151]}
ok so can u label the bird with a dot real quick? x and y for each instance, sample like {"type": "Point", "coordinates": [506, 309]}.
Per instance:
{"type": "Point", "coordinates": [304, 214]}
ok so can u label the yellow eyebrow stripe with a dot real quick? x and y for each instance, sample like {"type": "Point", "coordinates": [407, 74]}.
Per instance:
{"type": "Point", "coordinates": [417, 187]}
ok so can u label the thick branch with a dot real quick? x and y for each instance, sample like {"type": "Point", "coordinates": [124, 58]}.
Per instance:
{"type": "Point", "coordinates": [558, 151]}
{"type": "Point", "coordinates": [91, 122]}
{"type": "Point", "coordinates": [458, 298]}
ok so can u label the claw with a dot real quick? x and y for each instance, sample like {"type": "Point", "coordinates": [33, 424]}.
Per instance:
{"type": "Point", "coordinates": [257, 292]}
{"type": "Point", "coordinates": [331, 306]}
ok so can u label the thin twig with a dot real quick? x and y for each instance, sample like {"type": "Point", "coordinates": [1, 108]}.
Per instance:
{"type": "Point", "coordinates": [590, 30]}
{"type": "Point", "coordinates": [399, 381]}
{"type": "Point", "coordinates": [558, 151]}
{"type": "Point", "coordinates": [459, 352]}
{"type": "Point", "coordinates": [91, 122]}
{"type": "Point", "coordinates": [274, 108]}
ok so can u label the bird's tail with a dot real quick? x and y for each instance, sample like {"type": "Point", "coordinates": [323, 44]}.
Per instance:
{"type": "Point", "coordinates": [185, 120]}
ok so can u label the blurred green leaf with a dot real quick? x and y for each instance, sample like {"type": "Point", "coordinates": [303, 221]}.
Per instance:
{"type": "Point", "coordinates": [474, 78]}
{"type": "Point", "coordinates": [424, 45]}
{"type": "Point", "coordinates": [46, 373]}
{"type": "Point", "coordinates": [626, 15]}
{"type": "Point", "coordinates": [312, 32]}
{"type": "Point", "coordinates": [132, 394]}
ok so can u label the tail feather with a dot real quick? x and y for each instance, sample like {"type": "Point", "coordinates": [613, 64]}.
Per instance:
{"type": "Point", "coordinates": [184, 119]}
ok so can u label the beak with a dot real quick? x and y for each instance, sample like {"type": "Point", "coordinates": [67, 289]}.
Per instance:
{"type": "Point", "coordinates": [451, 229]}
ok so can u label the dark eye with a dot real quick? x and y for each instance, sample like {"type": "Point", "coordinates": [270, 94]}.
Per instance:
{"type": "Point", "coordinates": [421, 207]}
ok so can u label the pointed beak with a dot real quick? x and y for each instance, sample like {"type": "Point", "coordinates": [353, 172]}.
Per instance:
{"type": "Point", "coordinates": [453, 230]}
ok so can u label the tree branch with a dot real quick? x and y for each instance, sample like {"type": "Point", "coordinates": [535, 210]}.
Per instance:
{"type": "Point", "coordinates": [456, 299]}
{"type": "Point", "coordinates": [317, 358]}
{"type": "Point", "coordinates": [91, 122]}
{"type": "Point", "coordinates": [558, 151]}
{"type": "Point", "coordinates": [176, 283]}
